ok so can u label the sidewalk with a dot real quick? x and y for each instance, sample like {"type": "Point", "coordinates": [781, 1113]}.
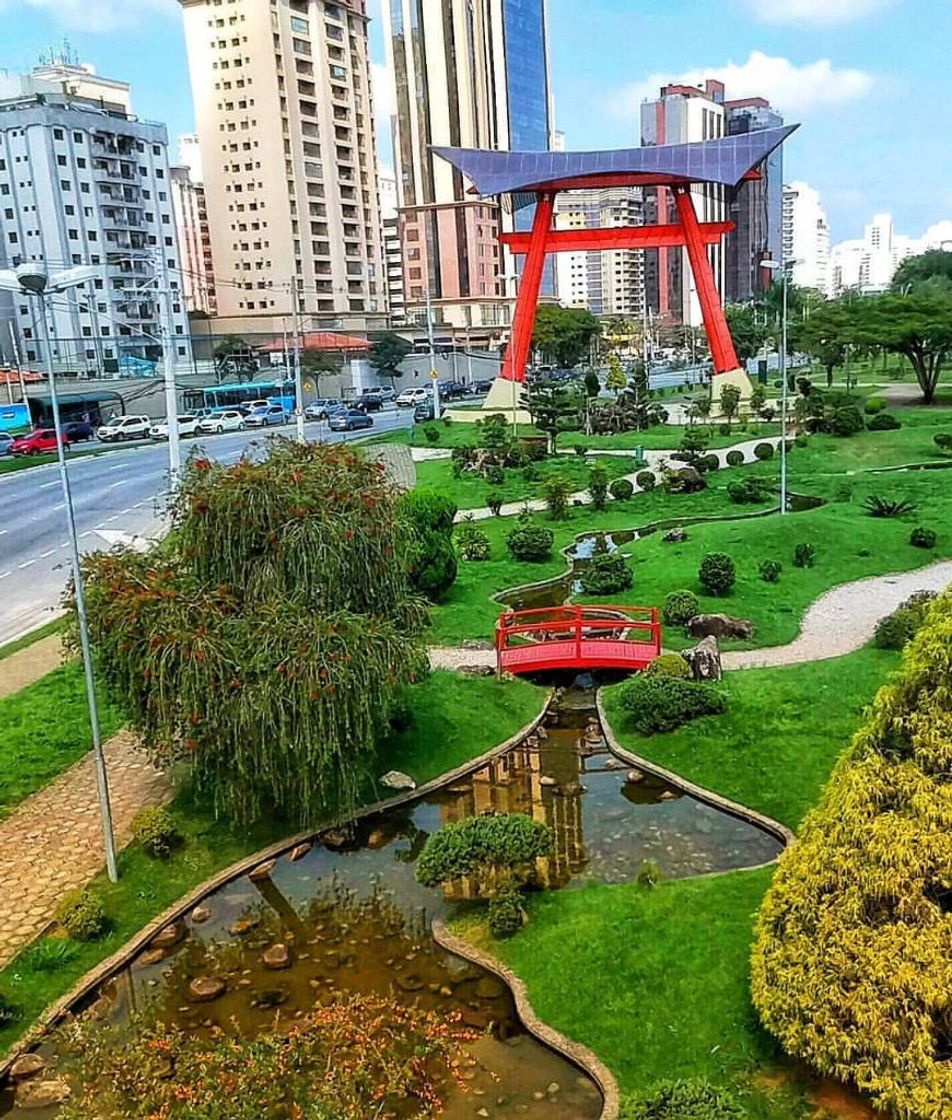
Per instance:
{"type": "Point", "coordinates": [29, 664]}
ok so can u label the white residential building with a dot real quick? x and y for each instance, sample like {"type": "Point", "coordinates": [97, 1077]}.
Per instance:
{"type": "Point", "coordinates": [806, 237]}
{"type": "Point", "coordinates": [869, 263]}
{"type": "Point", "coordinates": [84, 182]}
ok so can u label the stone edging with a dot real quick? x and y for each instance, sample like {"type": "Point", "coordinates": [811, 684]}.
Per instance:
{"type": "Point", "coordinates": [579, 1056]}
{"type": "Point", "coordinates": [122, 957]}
{"type": "Point", "coordinates": [741, 812]}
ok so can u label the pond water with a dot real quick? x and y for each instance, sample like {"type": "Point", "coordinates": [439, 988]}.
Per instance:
{"type": "Point", "coordinates": [354, 920]}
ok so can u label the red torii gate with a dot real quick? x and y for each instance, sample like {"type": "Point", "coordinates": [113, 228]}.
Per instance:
{"type": "Point", "coordinates": [726, 161]}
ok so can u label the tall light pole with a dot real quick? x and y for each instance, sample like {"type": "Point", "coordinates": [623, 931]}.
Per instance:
{"type": "Point", "coordinates": [34, 280]}
{"type": "Point", "coordinates": [429, 336]}
{"type": "Point", "coordinates": [782, 267]}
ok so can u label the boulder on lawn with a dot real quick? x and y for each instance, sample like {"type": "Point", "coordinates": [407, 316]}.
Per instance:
{"type": "Point", "coordinates": [684, 480]}
{"type": "Point", "coordinates": [675, 536]}
{"type": "Point", "coordinates": [704, 659]}
{"type": "Point", "coordinates": [395, 779]}
{"type": "Point", "coordinates": [719, 626]}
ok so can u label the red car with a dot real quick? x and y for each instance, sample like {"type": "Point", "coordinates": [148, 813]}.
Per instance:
{"type": "Point", "coordinates": [36, 442]}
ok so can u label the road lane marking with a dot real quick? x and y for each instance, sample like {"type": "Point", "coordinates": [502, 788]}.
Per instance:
{"type": "Point", "coordinates": [117, 467]}
{"type": "Point", "coordinates": [116, 518]}
{"type": "Point", "coordinates": [27, 563]}
{"type": "Point", "coordinates": [121, 482]}
{"type": "Point", "coordinates": [47, 485]}
{"type": "Point", "coordinates": [49, 552]}
{"type": "Point", "coordinates": [3, 575]}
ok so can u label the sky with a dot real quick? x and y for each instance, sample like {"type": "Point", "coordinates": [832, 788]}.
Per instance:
{"type": "Point", "coordinates": [864, 78]}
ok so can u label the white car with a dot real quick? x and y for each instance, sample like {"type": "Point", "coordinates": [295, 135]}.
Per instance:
{"type": "Point", "coordinates": [229, 421]}
{"type": "Point", "coordinates": [410, 398]}
{"type": "Point", "coordinates": [187, 426]}
{"type": "Point", "coordinates": [125, 427]}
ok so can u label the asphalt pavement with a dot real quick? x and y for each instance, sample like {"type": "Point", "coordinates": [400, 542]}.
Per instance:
{"type": "Point", "coordinates": [118, 498]}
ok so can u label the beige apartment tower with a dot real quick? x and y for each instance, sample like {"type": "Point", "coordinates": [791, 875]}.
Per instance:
{"type": "Point", "coordinates": [285, 122]}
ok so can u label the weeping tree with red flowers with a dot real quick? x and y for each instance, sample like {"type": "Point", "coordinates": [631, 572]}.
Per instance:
{"type": "Point", "coordinates": [266, 639]}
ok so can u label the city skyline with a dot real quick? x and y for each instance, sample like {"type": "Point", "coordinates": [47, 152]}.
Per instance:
{"type": "Point", "coordinates": [852, 81]}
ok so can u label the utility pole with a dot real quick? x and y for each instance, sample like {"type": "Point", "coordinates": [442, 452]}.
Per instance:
{"type": "Point", "coordinates": [783, 402]}
{"type": "Point", "coordinates": [429, 335]}
{"type": "Point", "coordinates": [298, 386]}
{"type": "Point", "coordinates": [171, 396]}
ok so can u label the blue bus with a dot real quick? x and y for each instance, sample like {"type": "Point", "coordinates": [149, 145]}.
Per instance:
{"type": "Point", "coordinates": [221, 397]}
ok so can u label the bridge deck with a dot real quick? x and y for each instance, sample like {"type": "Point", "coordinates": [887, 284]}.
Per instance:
{"type": "Point", "coordinates": [589, 654]}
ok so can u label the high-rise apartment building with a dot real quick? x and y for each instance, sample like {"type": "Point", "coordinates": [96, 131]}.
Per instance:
{"type": "Point", "coordinates": [84, 182]}
{"type": "Point", "coordinates": [869, 263]}
{"type": "Point", "coordinates": [286, 127]}
{"type": "Point", "coordinates": [685, 114]}
{"type": "Point", "coordinates": [609, 282]}
{"type": "Point", "coordinates": [475, 75]}
{"type": "Point", "coordinates": [191, 223]}
{"type": "Point", "coordinates": [806, 237]}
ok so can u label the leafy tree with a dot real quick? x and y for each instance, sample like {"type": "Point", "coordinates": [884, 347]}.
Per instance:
{"type": "Point", "coordinates": [616, 380]}
{"type": "Point", "coordinates": [265, 641]}
{"type": "Point", "coordinates": [563, 335]}
{"type": "Point", "coordinates": [824, 336]}
{"type": "Point", "coordinates": [917, 325]}
{"type": "Point", "coordinates": [914, 271]}
{"type": "Point", "coordinates": [730, 401]}
{"type": "Point", "coordinates": [387, 354]}
{"type": "Point", "coordinates": [234, 359]}
{"type": "Point", "coordinates": [316, 363]}
{"type": "Point", "coordinates": [555, 407]}
{"type": "Point", "coordinates": [592, 384]}
{"type": "Point", "coordinates": [694, 444]}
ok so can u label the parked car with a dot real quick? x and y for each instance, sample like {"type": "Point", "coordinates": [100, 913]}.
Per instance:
{"type": "Point", "coordinates": [78, 430]}
{"type": "Point", "coordinates": [37, 442]}
{"type": "Point", "coordinates": [231, 420]}
{"type": "Point", "coordinates": [410, 398]}
{"type": "Point", "coordinates": [187, 426]}
{"type": "Point", "coordinates": [265, 415]}
{"type": "Point", "coordinates": [481, 386]}
{"type": "Point", "coordinates": [121, 428]}
{"type": "Point", "coordinates": [250, 406]}
{"type": "Point", "coordinates": [452, 390]}
{"type": "Point", "coordinates": [5, 440]}
{"type": "Point", "coordinates": [367, 402]}
{"type": "Point", "coordinates": [384, 392]}
{"type": "Point", "coordinates": [423, 412]}
{"type": "Point", "coordinates": [322, 408]}
{"type": "Point", "coordinates": [350, 420]}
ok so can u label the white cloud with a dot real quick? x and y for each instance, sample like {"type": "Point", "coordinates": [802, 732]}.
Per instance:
{"type": "Point", "coordinates": [385, 94]}
{"type": "Point", "coordinates": [95, 15]}
{"type": "Point", "coordinates": [788, 87]}
{"type": "Point", "coordinates": [814, 12]}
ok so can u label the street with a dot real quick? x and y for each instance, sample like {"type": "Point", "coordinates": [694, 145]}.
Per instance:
{"type": "Point", "coordinates": [117, 497]}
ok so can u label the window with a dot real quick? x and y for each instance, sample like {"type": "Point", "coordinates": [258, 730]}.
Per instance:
{"type": "Point", "coordinates": [57, 134]}
{"type": "Point", "coordinates": [300, 26]}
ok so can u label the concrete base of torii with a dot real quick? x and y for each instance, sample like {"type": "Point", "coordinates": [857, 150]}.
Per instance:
{"type": "Point", "coordinates": [735, 377]}
{"type": "Point", "coordinates": [504, 396]}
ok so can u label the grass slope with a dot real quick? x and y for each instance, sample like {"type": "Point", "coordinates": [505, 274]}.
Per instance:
{"type": "Point", "coordinates": [437, 741]}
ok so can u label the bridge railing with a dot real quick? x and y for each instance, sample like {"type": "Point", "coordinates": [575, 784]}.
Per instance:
{"type": "Point", "coordinates": [578, 623]}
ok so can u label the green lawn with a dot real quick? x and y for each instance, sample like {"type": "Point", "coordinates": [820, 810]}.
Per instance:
{"type": "Point", "coordinates": [438, 740]}
{"type": "Point", "coordinates": [10, 463]}
{"type": "Point", "coordinates": [672, 998]}
{"type": "Point", "coordinates": [44, 728]}
{"type": "Point", "coordinates": [471, 491]}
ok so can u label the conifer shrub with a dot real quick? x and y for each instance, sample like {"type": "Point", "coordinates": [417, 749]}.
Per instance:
{"type": "Point", "coordinates": [804, 555]}
{"type": "Point", "coordinates": [472, 542]}
{"type": "Point", "coordinates": [921, 537]}
{"type": "Point", "coordinates": [883, 422]}
{"type": "Point", "coordinates": [157, 832]}
{"type": "Point", "coordinates": [606, 574]}
{"type": "Point", "coordinates": [679, 606]}
{"type": "Point", "coordinates": [621, 489]}
{"type": "Point", "coordinates": [749, 491]}
{"type": "Point", "coordinates": [530, 543]}
{"type": "Point", "coordinates": [82, 915]}
{"type": "Point", "coordinates": [735, 458]}
{"type": "Point", "coordinates": [653, 702]}
{"type": "Point", "coordinates": [717, 573]}
{"type": "Point", "coordinates": [670, 665]}
{"type": "Point", "coordinates": [852, 964]}
{"type": "Point", "coordinates": [598, 486]}
{"type": "Point", "coordinates": [770, 571]}
{"type": "Point", "coordinates": [646, 480]}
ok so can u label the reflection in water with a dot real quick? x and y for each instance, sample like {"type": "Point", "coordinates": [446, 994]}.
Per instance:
{"type": "Point", "coordinates": [351, 918]}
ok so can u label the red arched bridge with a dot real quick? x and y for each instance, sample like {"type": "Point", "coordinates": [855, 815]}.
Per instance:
{"type": "Point", "coordinates": [577, 637]}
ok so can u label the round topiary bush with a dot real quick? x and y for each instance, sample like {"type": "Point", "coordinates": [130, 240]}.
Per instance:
{"type": "Point", "coordinates": [606, 574]}
{"type": "Point", "coordinates": [735, 458]}
{"type": "Point", "coordinates": [683, 1100]}
{"type": "Point", "coordinates": [801, 440]}
{"type": "Point", "coordinates": [495, 476]}
{"type": "Point", "coordinates": [708, 463]}
{"type": "Point", "coordinates": [82, 915]}
{"type": "Point", "coordinates": [770, 571]}
{"type": "Point", "coordinates": [472, 542]}
{"type": "Point", "coordinates": [652, 702]}
{"type": "Point", "coordinates": [749, 491]}
{"type": "Point", "coordinates": [874, 405]}
{"type": "Point", "coordinates": [764, 451]}
{"type": "Point", "coordinates": [646, 480]}
{"type": "Point", "coordinates": [883, 422]}
{"type": "Point", "coordinates": [724, 429]}
{"type": "Point", "coordinates": [670, 665]}
{"type": "Point", "coordinates": [156, 831]}
{"type": "Point", "coordinates": [943, 442]}
{"type": "Point", "coordinates": [679, 606]}
{"type": "Point", "coordinates": [530, 543]}
{"type": "Point", "coordinates": [923, 538]}
{"type": "Point", "coordinates": [717, 573]}
{"type": "Point", "coordinates": [804, 555]}
{"type": "Point", "coordinates": [621, 489]}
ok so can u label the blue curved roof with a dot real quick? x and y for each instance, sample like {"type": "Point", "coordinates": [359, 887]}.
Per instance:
{"type": "Point", "coordinates": [726, 161]}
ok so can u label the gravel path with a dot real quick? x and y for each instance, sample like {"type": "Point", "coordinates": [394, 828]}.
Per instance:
{"type": "Point", "coordinates": [844, 618]}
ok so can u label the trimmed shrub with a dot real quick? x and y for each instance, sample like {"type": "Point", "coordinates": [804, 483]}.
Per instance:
{"type": "Point", "coordinates": [649, 874]}
{"type": "Point", "coordinates": [621, 489]}
{"type": "Point", "coordinates": [670, 665]}
{"type": "Point", "coordinates": [770, 571]}
{"type": "Point", "coordinates": [883, 422]}
{"type": "Point", "coordinates": [846, 421]}
{"type": "Point", "coordinates": [683, 1100]}
{"type": "Point", "coordinates": [472, 542]}
{"type": "Point", "coordinates": [606, 574]}
{"type": "Point", "coordinates": [717, 573]}
{"type": "Point", "coordinates": [432, 434]}
{"type": "Point", "coordinates": [482, 846]}
{"type": "Point", "coordinates": [646, 480]}
{"type": "Point", "coordinates": [495, 476]}
{"type": "Point", "coordinates": [943, 442]}
{"type": "Point", "coordinates": [851, 968]}
{"type": "Point", "coordinates": [749, 491]}
{"type": "Point", "coordinates": [82, 915]}
{"type": "Point", "coordinates": [804, 555]}
{"type": "Point", "coordinates": [874, 405]}
{"type": "Point", "coordinates": [735, 458]}
{"type": "Point", "coordinates": [652, 702]}
{"type": "Point", "coordinates": [724, 429]}
{"type": "Point", "coordinates": [580, 449]}
{"type": "Point", "coordinates": [598, 486]}
{"type": "Point", "coordinates": [531, 473]}
{"type": "Point", "coordinates": [708, 463]}
{"type": "Point", "coordinates": [894, 630]}
{"type": "Point", "coordinates": [556, 494]}
{"type": "Point", "coordinates": [156, 831]}
{"type": "Point", "coordinates": [9, 1011]}
{"type": "Point", "coordinates": [679, 606]}
{"type": "Point", "coordinates": [764, 451]}
{"type": "Point", "coordinates": [801, 440]}
{"type": "Point", "coordinates": [923, 538]}
{"type": "Point", "coordinates": [431, 558]}
{"type": "Point", "coordinates": [505, 912]}
{"type": "Point", "coordinates": [530, 543]}
{"type": "Point", "coordinates": [494, 504]}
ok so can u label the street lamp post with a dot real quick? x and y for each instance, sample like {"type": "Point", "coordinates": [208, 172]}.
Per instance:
{"type": "Point", "coordinates": [781, 266]}
{"type": "Point", "coordinates": [33, 280]}
{"type": "Point", "coordinates": [432, 348]}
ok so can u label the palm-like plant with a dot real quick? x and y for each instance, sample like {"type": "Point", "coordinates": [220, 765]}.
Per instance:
{"type": "Point", "coordinates": [884, 507]}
